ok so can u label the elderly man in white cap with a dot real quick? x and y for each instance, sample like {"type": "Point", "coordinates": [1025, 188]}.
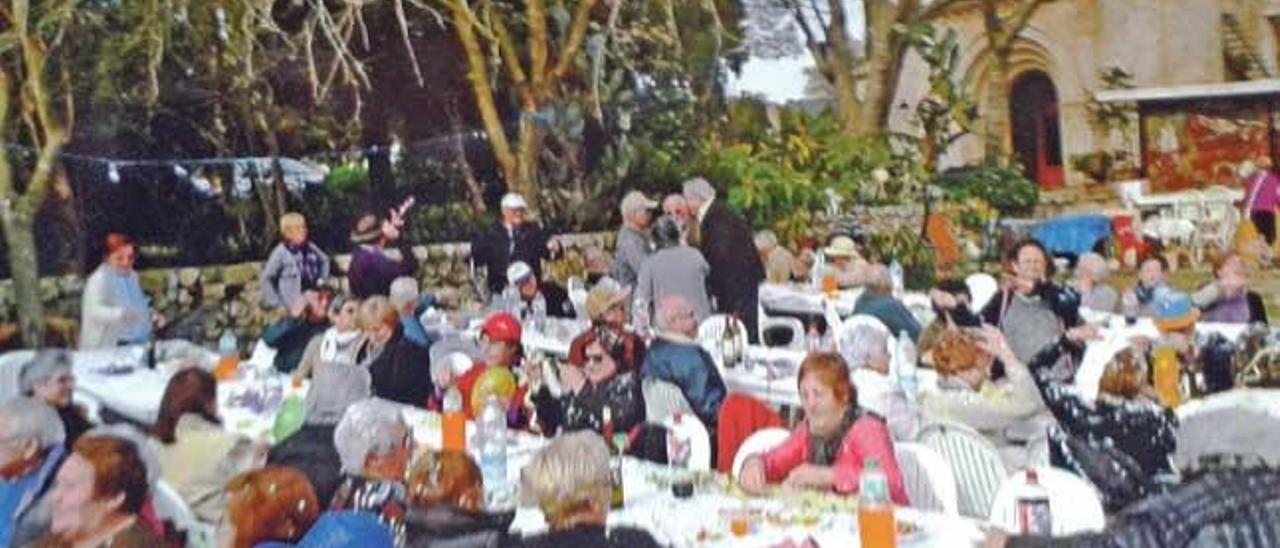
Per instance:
{"type": "Point", "coordinates": [529, 291]}
{"type": "Point", "coordinates": [727, 242]}
{"type": "Point", "coordinates": [513, 239]}
{"type": "Point", "coordinates": [634, 243]}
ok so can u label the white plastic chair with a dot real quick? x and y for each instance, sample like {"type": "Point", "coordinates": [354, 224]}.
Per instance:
{"type": "Point", "coordinates": [794, 325]}
{"type": "Point", "coordinates": [11, 364]}
{"type": "Point", "coordinates": [688, 425]}
{"type": "Point", "coordinates": [577, 290]}
{"type": "Point", "coordinates": [1074, 505]}
{"type": "Point", "coordinates": [928, 478]}
{"type": "Point", "coordinates": [170, 507]}
{"type": "Point", "coordinates": [663, 399]}
{"type": "Point", "coordinates": [710, 333]}
{"type": "Point", "coordinates": [758, 442]}
{"type": "Point", "coordinates": [974, 461]}
{"type": "Point", "coordinates": [92, 406]}
{"type": "Point", "coordinates": [920, 306]}
{"type": "Point", "coordinates": [982, 287]}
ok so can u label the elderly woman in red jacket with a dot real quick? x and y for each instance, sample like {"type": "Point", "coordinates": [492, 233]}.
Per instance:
{"type": "Point", "coordinates": [827, 451]}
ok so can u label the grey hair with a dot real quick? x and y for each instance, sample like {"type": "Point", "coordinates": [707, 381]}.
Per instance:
{"type": "Point", "coordinates": [571, 470]}
{"type": "Point", "coordinates": [864, 344]}
{"type": "Point", "coordinates": [25, 418]}
{"type": "Point", "coordinates": [1099, 270]}
{"type": "Point", "coordinates": [44, 365]}
{"type": "Point", "coordinates": [668, 306]}
{"type": "Point", "coordinates": [766, 238]}
{"type": "Point", "coordinates": [699, 188]}
{"type": "Point", "coordinates": [334, 388]}
{"type": "Point", "coordinates": [878, 279]}
{"type": "Point", "coordinates": [404, 290]}
{"type": "Point", "coordinates": [370, 426]}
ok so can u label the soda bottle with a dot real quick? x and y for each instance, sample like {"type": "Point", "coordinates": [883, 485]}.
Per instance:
{"type": "Point", "coordinates": [875, 510]}
{"type": "Point", "coordinates": [228, 356]}
{"type": "Point", "coordinates": [1033, 508]}
{"type": "Point", "coordinates": [492, 431]}
{"type": "Point", "coordinates": [453, 422]}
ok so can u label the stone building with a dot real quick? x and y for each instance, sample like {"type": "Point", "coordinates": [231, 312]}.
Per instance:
{"type": "Point", "coordinates": [1179, 53]}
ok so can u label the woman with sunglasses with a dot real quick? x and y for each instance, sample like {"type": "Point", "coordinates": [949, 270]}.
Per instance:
{"type": "Point", "coordinates": [588, 391]}
{"type": "Point", "coordinates": [338, 344]}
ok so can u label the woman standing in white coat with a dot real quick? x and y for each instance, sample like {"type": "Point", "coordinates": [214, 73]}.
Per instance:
{"type": "Point", "coordinates": [114, 310]}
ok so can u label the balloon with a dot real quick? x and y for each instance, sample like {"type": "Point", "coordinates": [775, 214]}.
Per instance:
{"type": "Point", "coordinates": [495, 381]}
{"type": "Point", "coordinates": [289, 419]}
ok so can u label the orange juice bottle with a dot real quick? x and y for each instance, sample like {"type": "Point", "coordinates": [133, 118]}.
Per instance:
{"type": "Point", "coordinates": [227, 368]}
{"type": "Point", "coordinates": [875, 510]}
{"type": "Point", "coordinates": [829, 284]}
{"type": "Point", "coordinates": [1167, 375]}
{"type": "Point", "coordinates": [454, 423]}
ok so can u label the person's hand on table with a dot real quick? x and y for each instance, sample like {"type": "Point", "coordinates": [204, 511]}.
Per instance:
{"type": "Point", "coordinates": [808, 475]}
{"type": "Point", "coordinates": [752, 477]}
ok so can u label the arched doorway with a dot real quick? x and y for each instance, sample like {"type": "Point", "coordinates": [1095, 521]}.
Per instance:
{"type": "Point", "coordinates": [1037, 143]}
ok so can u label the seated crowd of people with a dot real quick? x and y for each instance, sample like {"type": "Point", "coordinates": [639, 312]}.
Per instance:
{"type": "Point", "coordinates": [354, 470]}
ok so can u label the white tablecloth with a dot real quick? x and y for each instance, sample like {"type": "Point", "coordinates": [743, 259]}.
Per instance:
{"type": "Point", "coordinates": [804, 300]}
{"type": "Point", "coordinates": [679, 522]}
{"type": "Point", "coordinates": [770, 375]}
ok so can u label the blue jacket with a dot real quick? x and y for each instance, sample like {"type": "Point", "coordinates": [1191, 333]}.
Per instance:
{"type": "Point", "coordinates": [21, 497]}
{"type": "Point", "coordinates": [688, 366]}
{"type": "Point", "coordinates": [891, 312]}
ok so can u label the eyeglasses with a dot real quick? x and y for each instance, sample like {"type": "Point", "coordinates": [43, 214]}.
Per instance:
{"type": "Point", "coordinates": [595, 358]}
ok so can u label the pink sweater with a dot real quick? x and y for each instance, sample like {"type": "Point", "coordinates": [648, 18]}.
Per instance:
{"type": "Point", "coordinates": [1268, 194]}
{"type": "Point", "coordinates": [867, 438]}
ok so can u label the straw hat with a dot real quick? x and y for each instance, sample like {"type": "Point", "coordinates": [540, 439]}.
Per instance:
{"type": "Point", "coordinates": [841, 246]}
{"type": "Point", "coordinates": [602, 297]}
{"type": "Point", "coordinates": [368, 229]}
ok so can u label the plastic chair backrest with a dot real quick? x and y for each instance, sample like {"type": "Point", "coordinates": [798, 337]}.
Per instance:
{"type": "Point", "coordinates": [974, 461]}
{"type": "Point", "coordinates": [1074, 505]}
{"type": "Point", "coordinates": [920, 306]}
{"type": "Point", "coordinates": [699, 441]}
{"type": "Point", "coordinates": [11, 364]}
{"type": "Point", "coordinates": [758, 442]}
{"type": "Point", "coordinates": [853, 322]}
{"type": "Point", "coordinates": [663, 399]}
{"type": "Point", "coordinates": [929, 481]}
{"type": "Point", "coordinates": [170, 507]}
{"type": "Point", "coordinates": [794, 325]}
{"type": "Point", "coordinates": [711, 331]}
{"type": "Point", "coordinates": [982, 287]}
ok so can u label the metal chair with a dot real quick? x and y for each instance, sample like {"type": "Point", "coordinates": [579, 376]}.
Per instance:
{"type": "Point", "coordinates": [974, 461]}
{"type": "Point", "coordinates": [928, 478]}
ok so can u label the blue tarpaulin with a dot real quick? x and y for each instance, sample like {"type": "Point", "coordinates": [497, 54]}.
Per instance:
{"type": "Point", "coordinates": [1073, 234]}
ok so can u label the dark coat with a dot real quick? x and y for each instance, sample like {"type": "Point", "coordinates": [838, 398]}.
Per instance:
{"type": "Point", "coordinates": [371, 271]}
{"type": "Point", "coordinates": [689, 367]}
{"type": "Point", "coordinates": [289, 337]}
{"type": "Point", "coordinates": [312, 452]}
{"type": "Point", "coordinates": [402, 372]}
{"type": "Point", "coordinates": [494, 250]}
{"type": "Point", "coordinates": [588, 537]}
{"type": "Point", "coordinates": [727, 242]}
{"type": "Point", "coordinates": [448, 527]}
{"type": "Point", "coordinates": [584, 410]}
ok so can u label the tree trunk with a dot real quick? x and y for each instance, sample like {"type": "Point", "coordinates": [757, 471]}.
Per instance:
{"type": "Point", "coordinates": [478, 76]}
{"type": "Point", "coordinates": [474, 190]}
{"type": "Point", "coordinates": [884, 63]}
{"type": "Point", "coordinates": [527, 158]}
{"type": "Point", "coordinates": [997, 109]}
{"type": "Point", "coordinates": [19, 236]}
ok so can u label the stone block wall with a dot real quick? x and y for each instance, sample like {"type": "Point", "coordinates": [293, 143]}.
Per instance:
{"type": "Point", "coordinates": [201, 302]}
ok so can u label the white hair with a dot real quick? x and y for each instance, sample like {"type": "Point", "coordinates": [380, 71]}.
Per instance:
{"type": "Point", "coordinates": [864, 344]}
{"type": "Point", "coordinates": [404, 290]}
{"type": "Point", "coordinates": [24, 418]}
{"type": "Point", "coordinates": [699, 188]}
{"type": "Point", "coordinates": [1094, 265]}
{"type": "Point", "coordinates": [371, 426]}
{"type": "Point", "coordinates": [669, 306]}
{"type": "Point", "coordinates": [571, 470]}
{"type": "Point", "coordinates": [44, 365]}
{"type": "Point", "coordinates": [766, 238]}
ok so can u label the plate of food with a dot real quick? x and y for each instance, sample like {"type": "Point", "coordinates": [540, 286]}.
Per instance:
{"type": "Point", "coordinates": [908, 532]}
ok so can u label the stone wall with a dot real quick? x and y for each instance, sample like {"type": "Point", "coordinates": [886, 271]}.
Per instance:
{"type": "Point", "coordinates": [200, 302]}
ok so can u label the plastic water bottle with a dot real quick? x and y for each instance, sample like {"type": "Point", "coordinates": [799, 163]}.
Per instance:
{"type": "Point", "coordinates": [1032, 508]}
{"type": "Point", "coordinates": [907, 374]}
{"type": "Point", "coordinates": [492, 431]}
{"type": "Point", "coordinates": [227, 344]}
{"type": "Point", "coordinates": [895, 272]}
{"type": "Point", "coordinates": [539, 311]}
{"type": "Point", "coordinates": [875, 509]}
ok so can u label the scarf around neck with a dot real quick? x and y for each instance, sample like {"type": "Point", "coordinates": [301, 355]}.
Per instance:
{"type": "Point", "coordinates": [823, 450]}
